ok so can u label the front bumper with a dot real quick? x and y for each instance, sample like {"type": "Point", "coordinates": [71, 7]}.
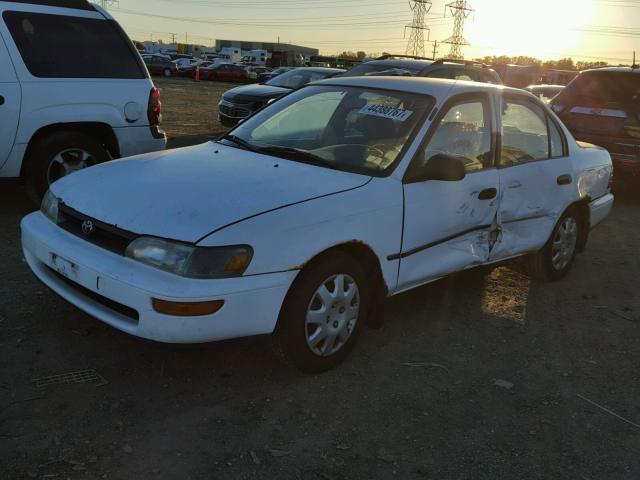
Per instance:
{"type": "Point", "coordinates": [118, 290]}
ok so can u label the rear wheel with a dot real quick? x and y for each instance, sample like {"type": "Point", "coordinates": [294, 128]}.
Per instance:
{"type": "Point", "coordinates": [58, 155]}
{"type": "Point", "coordinates": [167, 72]}
{"type": "Point", "coordinates": [555, 259]}
{"type": "Point", "coordinates": [323, 313]}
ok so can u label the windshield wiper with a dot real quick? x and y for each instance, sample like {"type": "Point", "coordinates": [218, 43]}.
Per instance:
{"type": "Point", "coordinates": [298, 155]}
{"type": "Point", "coordinates": [242, 142]}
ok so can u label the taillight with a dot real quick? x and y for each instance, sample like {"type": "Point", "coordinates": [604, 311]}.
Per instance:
{"type": "Point", "coordinates": [154, 111]}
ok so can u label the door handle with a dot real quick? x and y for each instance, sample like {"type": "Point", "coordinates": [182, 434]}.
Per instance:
{"type": "Point", "coordinates": [564, 179]}
{"type": "Point", "coordinates": [1, 100]}
{"type": "Point", "coordinates": [488, 194]}
{"type": "Point", "coordinates": [515, 184]}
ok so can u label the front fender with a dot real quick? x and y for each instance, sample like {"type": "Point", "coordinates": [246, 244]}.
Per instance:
{"type": "Point", "coordinates": [286, 239]}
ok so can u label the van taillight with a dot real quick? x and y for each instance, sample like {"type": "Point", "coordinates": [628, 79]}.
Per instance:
{"type": "Point", "coordinates": [154, 111]}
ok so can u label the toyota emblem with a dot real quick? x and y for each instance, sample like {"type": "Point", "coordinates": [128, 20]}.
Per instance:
{"type": "Point", "coordinates": [87, 227]}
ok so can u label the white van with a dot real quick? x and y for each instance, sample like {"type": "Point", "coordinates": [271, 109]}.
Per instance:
{"type": "Point", "coordinates": [73, 92]}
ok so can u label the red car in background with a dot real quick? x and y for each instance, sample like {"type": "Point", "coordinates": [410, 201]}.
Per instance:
{"type": "Point", "coordinates": [226, 72]}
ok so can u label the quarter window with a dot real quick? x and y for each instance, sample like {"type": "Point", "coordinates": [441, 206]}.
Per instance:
{"type": "Point", "coordinates": [557, 145]}
{"type": "Point", "coordinates": [59, 46]}
{"type": "Point", "coordinates": [464, 131]}
{"type": "Point", "coordinates": [524, 133]}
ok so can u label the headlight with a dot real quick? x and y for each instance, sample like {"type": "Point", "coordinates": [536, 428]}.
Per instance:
{"type": "Point", "coordinates": [49, 206]}
{"type": "Point", "coordinates": [190, 261]}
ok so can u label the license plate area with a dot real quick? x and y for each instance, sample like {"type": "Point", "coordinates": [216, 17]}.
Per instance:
{"type": "Point", "coordinates": [64, 267]}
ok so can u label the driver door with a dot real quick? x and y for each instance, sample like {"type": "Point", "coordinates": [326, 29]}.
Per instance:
{"type": "Point", "coordinates": [448, 225]}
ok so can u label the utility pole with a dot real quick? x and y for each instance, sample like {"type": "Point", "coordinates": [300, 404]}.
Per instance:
{"type": "Point", "coordinates": [420, 8]}
{"type": "Point", "coordinates": [460, 9]}
{"type": "Point", "coordinates": [435, 49]}
{"type": "Point", "coordinates": [173, 38]}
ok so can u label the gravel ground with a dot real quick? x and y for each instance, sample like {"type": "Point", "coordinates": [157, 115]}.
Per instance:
{"type": "Point", "coordinates": [483, 375]}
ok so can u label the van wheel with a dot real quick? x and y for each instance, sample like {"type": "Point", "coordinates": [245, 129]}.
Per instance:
{"type": "Point", "coordinates": [322, 314]}
{"type": "Point", "coordinates": [58, 155]}
{"type": "Point", "coordinates": [167, 72]}
{"type": "Point", "coordinates": [555, 259]}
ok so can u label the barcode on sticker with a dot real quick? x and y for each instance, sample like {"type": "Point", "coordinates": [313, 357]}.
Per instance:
{"type": "Point", "coordinates": [378, 110]}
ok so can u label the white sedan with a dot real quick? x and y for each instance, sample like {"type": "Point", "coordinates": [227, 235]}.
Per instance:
{"type": "Point", "coordinates": [301, 220]}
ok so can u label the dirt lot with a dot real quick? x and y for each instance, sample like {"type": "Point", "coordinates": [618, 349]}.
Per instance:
{"type": "Point", "coordinates": [484, 375]}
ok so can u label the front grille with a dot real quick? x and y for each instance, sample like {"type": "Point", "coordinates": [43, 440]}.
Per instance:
{"type": "Point", "coordinates": [103, 235]}
{"type": "Point", "coordinates": [104, 301]}
{"type": "Point", "coordinates": [235, 110]}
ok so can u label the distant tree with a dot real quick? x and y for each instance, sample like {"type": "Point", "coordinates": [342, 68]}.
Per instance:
{"type": "Point", "coordinates": [589, 65]}
{"type": "Point", "coordinates": [360, 54]}
{"type": "Point", "coordinates": [566, 64]}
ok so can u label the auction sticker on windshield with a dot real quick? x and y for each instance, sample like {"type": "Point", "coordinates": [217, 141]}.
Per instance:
{"type": "Point", "coordinates": [377, 110]}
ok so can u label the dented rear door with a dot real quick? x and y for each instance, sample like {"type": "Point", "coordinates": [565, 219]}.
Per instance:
{"type": "Point", "coordinates": [536, 178]}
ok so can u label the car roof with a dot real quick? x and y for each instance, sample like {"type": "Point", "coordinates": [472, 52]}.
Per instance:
{"type": "Point", "coordinates": [614, 69]}
{"type": "Point", "coordinates": [75, 4]}
{"type": "Point", "coordinates": [435, 87]}
{"type": "Point", "coordinates": [399, 63]}
{"type": "Point", "coordinates": [320, 69]}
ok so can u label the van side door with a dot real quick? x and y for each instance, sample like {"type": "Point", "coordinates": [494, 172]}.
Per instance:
{"type": "Point", "coordinates": [10, 97]}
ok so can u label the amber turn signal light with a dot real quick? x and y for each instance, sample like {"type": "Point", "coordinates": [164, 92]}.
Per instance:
{"type": "Point", "coordinates": [186, 309]}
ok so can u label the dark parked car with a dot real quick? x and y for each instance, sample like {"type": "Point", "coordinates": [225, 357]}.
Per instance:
{"type": "Point", "coordinates": [240, 102]}
{"type": "Point", "coordinates": [265, 77]}
{"type": "Point", "coordinates": [603, 107]}
{"type": "Point", "coordinates": [404, 65]}
{"type": "Point", "coordinates": [160, 65]}
{"type": "Point", "coordinates": [226, 72]}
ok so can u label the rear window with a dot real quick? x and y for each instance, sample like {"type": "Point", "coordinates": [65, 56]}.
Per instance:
{"type": "Point", "coordinates": [600, 89]}
{"type": "Point", "coordinates": [58, 46]}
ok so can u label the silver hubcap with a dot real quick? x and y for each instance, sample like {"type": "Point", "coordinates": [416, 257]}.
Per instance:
{"type": "Point", "coordinates": [332, 314]}
{"type": "Point", "coordinates": [564, 243]}
{"type": "Point", "coordinates": [67, 162]}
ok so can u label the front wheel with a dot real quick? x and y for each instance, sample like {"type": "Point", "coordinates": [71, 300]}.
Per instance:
{"type": "Point", "coordinates": [323, 313]}
{"type": "Point", "coordinates": [555, 259]}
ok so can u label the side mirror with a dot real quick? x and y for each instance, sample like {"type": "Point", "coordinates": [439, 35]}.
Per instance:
{"type": "Point", "coordinates": [442, 167]}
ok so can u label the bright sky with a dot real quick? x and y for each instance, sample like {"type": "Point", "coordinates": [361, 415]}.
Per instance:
{"type": "Point", "coordinates": [548, 29]}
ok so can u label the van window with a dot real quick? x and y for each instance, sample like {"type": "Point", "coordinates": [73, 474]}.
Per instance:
{"type": "Point", "coordinates": [58, 46]}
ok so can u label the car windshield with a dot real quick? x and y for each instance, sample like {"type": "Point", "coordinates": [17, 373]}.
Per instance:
{"type": "Point", "coordinates": [359, 130]}
{"type": "Point", "coordinates": [374, 68]}
{"type": "Point", "coordinates": [297, 77]}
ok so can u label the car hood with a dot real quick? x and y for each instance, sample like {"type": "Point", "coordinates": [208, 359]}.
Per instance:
{"type": "Point", "coordinates": [185, 194]}
{"type": "Point", "coordinates": [247, 93]}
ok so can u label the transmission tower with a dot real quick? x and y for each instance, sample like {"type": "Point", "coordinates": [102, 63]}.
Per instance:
{"type": "Point", "coordinates": [107, 3]}
{"type": "Point", "coordinates": [415, 46]}
{"type": "Point", "coordinates": [460, 9]}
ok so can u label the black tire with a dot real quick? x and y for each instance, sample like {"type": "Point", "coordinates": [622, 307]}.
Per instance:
{"type": "Point", "coordinates": [42, 153]}
{"type": "Point", "coordinates": [167, 72]}
{"type": "Point", "coordinates": [290, 337]}
{"type": "Point", "coordinates": [541, 265]}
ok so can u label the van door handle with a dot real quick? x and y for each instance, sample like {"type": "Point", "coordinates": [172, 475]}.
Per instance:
{"type": "Point", "coordinates": [564, 179]}
{"type": "Point", "coordinates": [515, 184]}
{"type": "Point", "coordinates": [1, 100]}
{"type": "Point", "coordinates": [488, 194]}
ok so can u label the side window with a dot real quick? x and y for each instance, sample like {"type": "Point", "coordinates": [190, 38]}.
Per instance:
{"type": "Point", "coordinates": [462, 74]}
{"type": "Point", "coordinates": [524, 133]}
{"type": "Point", "coordinates": [464, 131]}
{"type": "Point", "coordinates": [557, 145]}
{"type": "Point", "coordinates": [60, 46]}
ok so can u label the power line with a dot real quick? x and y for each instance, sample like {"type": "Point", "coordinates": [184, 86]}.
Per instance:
{"type": "Point", "coordinates": [420, 8]}
{"type": "Point", "coordinates": [460, 9]}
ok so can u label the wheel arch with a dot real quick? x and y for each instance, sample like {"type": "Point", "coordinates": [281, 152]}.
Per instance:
{"type": "Point", "coordinates": [581, 207]}
{"type": "Point", "coordinates": [102, 132]}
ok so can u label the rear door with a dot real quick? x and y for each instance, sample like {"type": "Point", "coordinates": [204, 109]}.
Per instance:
{"type": "Point", "coordinates": [536, 176]}
{"type": "Point", "coordinates": [10, 94]}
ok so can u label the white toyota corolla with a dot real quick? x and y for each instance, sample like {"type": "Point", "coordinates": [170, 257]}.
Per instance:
{"type": "Point", "coordinates": [301, 220]}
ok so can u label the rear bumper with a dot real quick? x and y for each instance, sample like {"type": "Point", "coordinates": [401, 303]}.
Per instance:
{"type": "Point", "coordinates": [600, 208]}
{"type": "Point", "coordinates": [138, 140]}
